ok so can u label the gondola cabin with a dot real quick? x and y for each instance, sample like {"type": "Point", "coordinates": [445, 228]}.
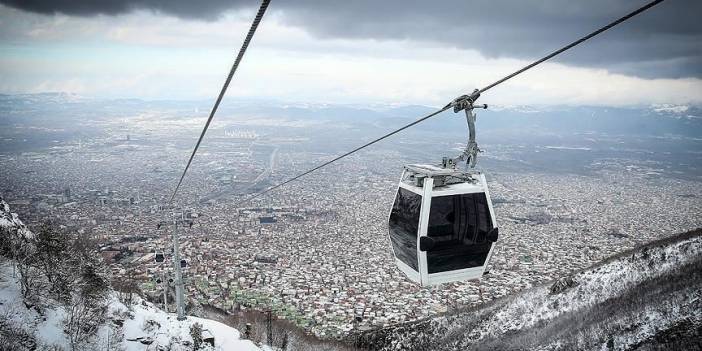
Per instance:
{"type": "Point", "coordinates": [442, 225]}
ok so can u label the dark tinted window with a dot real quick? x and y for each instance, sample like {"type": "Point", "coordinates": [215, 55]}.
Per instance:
{"type": "Point", "coordinates": [404, 221]}
{"type": "Point", "coordinates": [459, 225]}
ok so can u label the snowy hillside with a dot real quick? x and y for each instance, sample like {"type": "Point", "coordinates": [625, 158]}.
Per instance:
{"type": "Point", "coordinates": [648, 297]}
{"type": "Point", "coordinates": [9, 220]}
{"type": "Point", "coordinates": [48, 318]}
{"type": "Point", "coordinates": [163, 329]}
{"type": "Point", "coordinates": [140, 326]}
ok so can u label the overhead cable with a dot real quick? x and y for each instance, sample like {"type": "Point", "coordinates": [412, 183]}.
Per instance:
{"type": "Point", "coordinates": [579, 41]}
{"type": "Point", "coordinates": [242, 51]}
{"type": "Point", "coordinates": [477, 93]}
{"type": "Point", "coordinates": [344, 155]}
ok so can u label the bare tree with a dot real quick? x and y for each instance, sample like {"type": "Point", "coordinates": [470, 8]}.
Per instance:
{"type": "Point", "coordinates": [13, 337]}
{"type": "Point", "coordinates": [18, 247]}
{"type": "Point", "coordinates": [53, 249]}
{"type": "Point", "coordinates": [83, 318]}
{"type": "Point", "coordinates": [29, 278]}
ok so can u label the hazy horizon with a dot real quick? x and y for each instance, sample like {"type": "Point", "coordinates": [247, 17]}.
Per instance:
{"type": "Point", "coordinates": [361, 53]}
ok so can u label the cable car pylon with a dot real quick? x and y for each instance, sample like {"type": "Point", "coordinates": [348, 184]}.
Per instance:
{"type": "Point", "coordinates": [177, 262]}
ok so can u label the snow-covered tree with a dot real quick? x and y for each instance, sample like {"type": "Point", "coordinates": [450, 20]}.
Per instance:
{"type": "Point", "coordinates": [196, 334]}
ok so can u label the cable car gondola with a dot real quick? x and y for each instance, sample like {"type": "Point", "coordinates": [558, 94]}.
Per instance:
{"type": "Point", "coordinates": [442, 225]}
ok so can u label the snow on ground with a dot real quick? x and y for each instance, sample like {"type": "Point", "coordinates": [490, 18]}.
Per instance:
{"type": "Point", "coordinates": [50, 332]}
{"type": "Point", "coordinates": [670, 108]}
{"type": "Point", "coordinates": [46, 329]}
{"type": "Point", "coordinates": [163, 328]}
{"type": "Point", "coordinates": [143, 326]}
{"type": "Point", "coordinates": [597, 285]}
{"type": "Point", "coordinates": [624, 301]}
{"type": "Point", "coordinates": [11, 220]}
{"type": "Point", "coordinates": [165, 331]}
{"type": "Point", "coordinates": [10, 296]}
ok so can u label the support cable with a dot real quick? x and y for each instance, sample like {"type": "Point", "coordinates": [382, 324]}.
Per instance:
{"type": "Point", "coordinates": [244, 46]}
{"type": "Point", "coordinates": [459, 104]}
{"type": "Point", "coordinates": [344, 155]}
{"type": "Point", "coordinates": [577, 42]}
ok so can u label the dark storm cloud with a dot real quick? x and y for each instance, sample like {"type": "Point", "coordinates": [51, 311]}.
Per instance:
{"type": "Point", "coordinates": [665, 41]}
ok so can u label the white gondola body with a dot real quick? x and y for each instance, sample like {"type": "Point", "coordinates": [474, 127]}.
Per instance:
{"type": "Point", "coordinates": [457, 218]}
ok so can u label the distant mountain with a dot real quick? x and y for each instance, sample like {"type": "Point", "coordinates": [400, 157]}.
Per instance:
{"type": "Point", "coordinates": [652, 120]}
{"type": "Point", "coordinates": [649, 298]}
{"type": "Point", "coordinates": [65, 109]}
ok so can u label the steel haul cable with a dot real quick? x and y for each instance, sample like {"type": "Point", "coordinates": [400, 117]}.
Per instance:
{"type": "Point", "coordinates": [525, 68]}
{"type": "Point", "coordinates": [579, 41]}
{"type": "Point", "coordinates": [346, 154]}
{"type": "Point", "coordinates": [500, 81]}
{"type": "Point", "coordinates": [244, 46]}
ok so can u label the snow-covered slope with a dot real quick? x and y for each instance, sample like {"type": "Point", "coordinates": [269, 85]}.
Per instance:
{"type": "Point", "coordinates": [651, 296]}
{"type": "Point", "coordinates": [10, 221]}
{"type": "Point", "coordinates": [140, 326]}
{"type": "Point", "coordinates": [134, 326]}
{"type": "Point", "coordinates": [147, 323]}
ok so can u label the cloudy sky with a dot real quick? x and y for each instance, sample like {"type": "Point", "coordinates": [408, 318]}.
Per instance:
{"type": "Point", "coordinates": [363, 51]}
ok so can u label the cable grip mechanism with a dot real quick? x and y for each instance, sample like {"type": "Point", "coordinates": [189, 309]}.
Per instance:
{"type": "Point", "coordinates": [467, 103]}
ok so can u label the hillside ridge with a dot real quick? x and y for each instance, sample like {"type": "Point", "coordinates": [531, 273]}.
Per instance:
{"type": "Point", "coordinates": [644, 298]}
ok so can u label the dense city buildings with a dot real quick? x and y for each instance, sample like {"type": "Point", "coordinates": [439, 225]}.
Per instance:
{"type": "Point", "coordinates": [317, 252]}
